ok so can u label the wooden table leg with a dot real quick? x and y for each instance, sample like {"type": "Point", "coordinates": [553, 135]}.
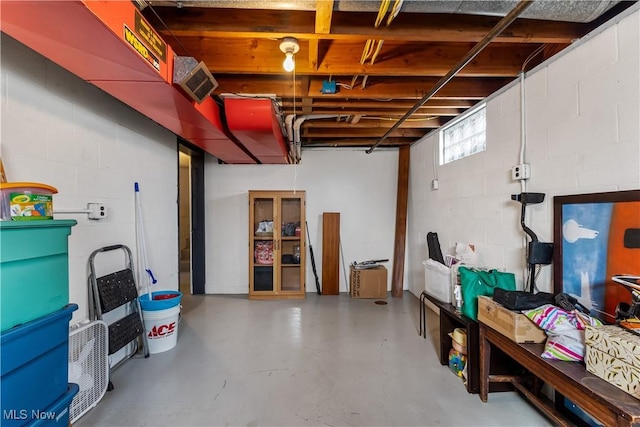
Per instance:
{"type": "Point", "coordinates": [446, 325]}
{"type": "Point", "coordinates": [485, 364]}
{"type": "Point", "coordinates": [423, 315]}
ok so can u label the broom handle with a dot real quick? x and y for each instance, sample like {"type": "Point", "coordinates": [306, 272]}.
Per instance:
{"type": "Point", "coordinates": [3, 175]}
{"type": "Point", "coordinates": [313, 260]}
{"type": "Point", "coordinates": [150, 278]}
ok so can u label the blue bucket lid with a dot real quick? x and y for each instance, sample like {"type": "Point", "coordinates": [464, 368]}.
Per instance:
{"type": "Point", "coordinates": [160, 304]}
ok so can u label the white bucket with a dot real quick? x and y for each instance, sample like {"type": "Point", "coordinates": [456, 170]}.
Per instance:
{"type": "Point", "coordinates": [161, 327]}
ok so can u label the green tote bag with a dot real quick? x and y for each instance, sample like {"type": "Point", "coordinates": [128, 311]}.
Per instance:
{"type": "Point", "coordinates": [475, 282]}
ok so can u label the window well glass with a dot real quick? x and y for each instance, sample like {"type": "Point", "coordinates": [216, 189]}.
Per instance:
{"type": "Point", "coordinates": [464, 137]}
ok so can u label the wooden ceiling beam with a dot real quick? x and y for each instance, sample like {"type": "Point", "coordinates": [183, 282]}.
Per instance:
{"type": "Point", "coordinates": [255, 56]}
{"type": "Point", "coordinates": [353, 104]}
{"type": "Point", "coordinates": [367, 123]}
{"type": "Point", "coordinates": [360, 132]}
{"type": "Point", "coordinates": [355, 142]}
{"type": "Point", "coordinates": [415, 88]}
{"type": "Point", "coordinates": [324, 11]}
{"type": "Point", "coordinates": [428, 59]}
{"type": "Point", "coordinates": [313, 55]}
{"type": "Point", "coordinates": [355, 26]}
{"type": "Point", "coordinates": [381, 114]}
{"type": "Point", "coordinates": [306, 105]}
{"type": "Point", "coordinates": [377, 88]}
{"type": "Point", "coordinates": [387, 114]}
{"type": "Point", "coordinates": [355, 119]}
{"type": "Point", "coordinates": [433, 27]}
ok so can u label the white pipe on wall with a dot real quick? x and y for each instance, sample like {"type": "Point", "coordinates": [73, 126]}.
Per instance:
{"type": "Point", "coordinates": [523, 182]}
{"type": "Point", "coordinates": [296, 129]}
{"type": "Point", "coordinates": [288, 124]}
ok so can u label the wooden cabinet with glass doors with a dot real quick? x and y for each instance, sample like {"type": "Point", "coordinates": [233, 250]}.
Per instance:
{"type": "Point", "coordinates": [277, 244]}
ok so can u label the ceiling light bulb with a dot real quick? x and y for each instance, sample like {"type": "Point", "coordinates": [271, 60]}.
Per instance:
{"type": "Point", "coordinates": [289, 46]}
{"type": "Point", "coordinates": [288, 63]}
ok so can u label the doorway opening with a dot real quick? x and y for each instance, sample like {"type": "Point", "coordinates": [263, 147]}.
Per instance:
{"type": "Point", "coordinates": [191, 243]}
{"type": "Point", "coordinates": [184, 220]}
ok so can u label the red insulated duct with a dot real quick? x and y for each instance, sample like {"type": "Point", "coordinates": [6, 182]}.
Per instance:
{"type": "Point", "coordinates": [110, 44]}
{"type": "Point", "coordinates": [255, 123]}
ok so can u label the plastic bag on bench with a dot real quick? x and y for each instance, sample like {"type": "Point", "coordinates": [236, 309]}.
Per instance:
{"type": "Point", "coordinates": [565, 331]}
{"type": "Point", "coordinates": [476, 282]}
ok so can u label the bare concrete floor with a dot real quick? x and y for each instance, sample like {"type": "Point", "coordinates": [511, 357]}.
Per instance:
{"type": "Point", "coordinates": [325, 360]}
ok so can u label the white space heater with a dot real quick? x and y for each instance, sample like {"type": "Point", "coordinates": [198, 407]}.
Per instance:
{"type": "Point", "coordinates": [88, 366]}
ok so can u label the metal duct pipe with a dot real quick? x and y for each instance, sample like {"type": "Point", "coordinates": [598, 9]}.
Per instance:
{"type": "Point", "coordinates": [288, 124]}
{"type": "Point", "coordinates": [495, 31]}
{"type": "Point", "coordinates": [296, 129]}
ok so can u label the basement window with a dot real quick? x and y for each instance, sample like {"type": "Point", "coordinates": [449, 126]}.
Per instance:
{"type": "Point", "coordinates": [464, 136]}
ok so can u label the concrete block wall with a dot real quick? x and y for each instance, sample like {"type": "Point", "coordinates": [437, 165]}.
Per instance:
{"type": "Point", "coordinates": [360, 186]}
{"type": "Point", "coordinates": [59, 130]}
{"type": "Point", "coordinates": [582, 135]}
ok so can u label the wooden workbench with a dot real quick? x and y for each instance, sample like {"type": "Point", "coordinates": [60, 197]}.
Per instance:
{"type": "Point", "coordinates": [603, 401]}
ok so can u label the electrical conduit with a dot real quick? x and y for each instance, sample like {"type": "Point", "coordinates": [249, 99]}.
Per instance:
{"type": "Point", "coordinates": [495, 31]}
{"type": "Point", "coordinates": [296, 129]}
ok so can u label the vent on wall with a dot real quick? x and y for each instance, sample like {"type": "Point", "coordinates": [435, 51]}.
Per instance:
{"type": "Point", "coordinates": [193, 77]}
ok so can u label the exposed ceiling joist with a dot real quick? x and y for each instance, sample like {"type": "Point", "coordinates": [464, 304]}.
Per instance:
{"type": "Point", "coordinates": [238, 40]}
{"type": "Point", "coordinates": [357, 26]}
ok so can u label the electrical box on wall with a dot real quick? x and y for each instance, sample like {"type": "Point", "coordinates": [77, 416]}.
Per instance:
{"type": "Point", "coordinates": [97, 211]}
{"type": "Point", "coordinates": [519, 172]}
{"type": "Point", "coordinates": [329, 86]}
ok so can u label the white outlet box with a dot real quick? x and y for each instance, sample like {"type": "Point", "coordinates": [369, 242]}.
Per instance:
{"type": "Point", "coordinates": [97, 211]}
{"type": "Point", "coordinates": [520, 172]}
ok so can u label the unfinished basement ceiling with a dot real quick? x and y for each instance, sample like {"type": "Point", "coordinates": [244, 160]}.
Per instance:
{"type": "Point", "coordinates": [555, 10]}
{"type": "Point", "coordinates": [375, 86]}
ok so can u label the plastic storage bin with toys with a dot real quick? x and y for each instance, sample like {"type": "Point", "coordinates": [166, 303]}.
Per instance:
{"type": "Point", "coordinates": [26, 201]}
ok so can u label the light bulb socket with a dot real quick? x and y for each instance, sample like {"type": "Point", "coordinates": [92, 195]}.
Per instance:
{"type": "Point", "coordinates": [289, 44]}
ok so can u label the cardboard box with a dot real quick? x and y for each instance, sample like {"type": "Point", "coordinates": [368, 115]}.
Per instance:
{"type": "Point", "coordinates": [613, 354]}
{"type": "Point", "coordinates": [511, 324]}
{"type": "Point", "coordinates": [369, 282]}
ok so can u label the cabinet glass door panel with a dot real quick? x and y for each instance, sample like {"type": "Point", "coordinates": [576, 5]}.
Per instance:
{"type": "Point", "coordinates": [291, 250]}
{"type": "Point", "coordinates": [263, 252]}
{"type": "Point", "coordinates": [290, 215]}
{"type": "Point", "coordinates": [263, 244]}
{"type": "Point", "coordinates": [263, 215]}
{"type": "Point", "coordinates": [290, 278]}
{"type": "Point", "coordinates": [263, 278]}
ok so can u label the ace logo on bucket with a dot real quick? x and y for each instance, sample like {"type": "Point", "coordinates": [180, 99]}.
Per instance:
{"type": "Point", "coordinates": [162, 331]}
{"type": "Point", "coordinates": [161, 328]}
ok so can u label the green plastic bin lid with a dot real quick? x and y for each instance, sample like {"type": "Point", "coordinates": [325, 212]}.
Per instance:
{"type": "Point", "coordinates": [38, 223]}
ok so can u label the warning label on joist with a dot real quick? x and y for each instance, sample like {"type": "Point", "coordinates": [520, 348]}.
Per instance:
{"type": "Point", "coordinates": [139, 47]}
{"type": "Point", "coordinates": [151, 38]}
